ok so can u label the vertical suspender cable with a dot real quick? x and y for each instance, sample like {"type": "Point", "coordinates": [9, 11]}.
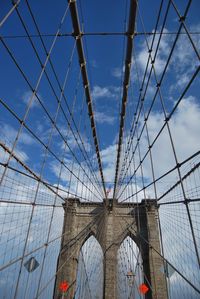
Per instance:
{"type": "Point", "coordinates": [130, 35]}
{"type": "Point", "coordinates": [82, 61]}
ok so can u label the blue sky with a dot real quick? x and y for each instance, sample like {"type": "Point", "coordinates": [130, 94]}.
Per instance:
{"type": "Point", "coordinates": [104, 55]}
{"type": "Point", "coordinates": [105, 60]}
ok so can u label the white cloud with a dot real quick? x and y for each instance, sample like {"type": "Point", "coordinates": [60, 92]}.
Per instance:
{"type": "Point", "coordinates": [163, 51]}
{"type": "Point", "coordinates": [184, 60]}
{"type": "Point", "coordinates": [101, 92]}
{"type": "Point", "coordinates": [142, 57]}
{"type": "Point", "coordinates": [21, 155]}
{"type": "Point", "coordinates": [18, 153]}
{"type": "Point", "coordinates": [70, 182]}
{"type": "Point", "coordinates": [185, 128]}
{"type": "Point", "coordinates": [184, 56]}
{"type": "Point", "coordinates": [109, 156]}
{"type": "Point", "coordinates": [73, 140]}
{"type": "Point", "coordinates": [101, 118]}
{"type": "Point", "coordinates": [105, 92]}
{"type": "Point", "coordinates": [65, 174]}
{"type": "Point", "coordinates": [117, 72]}
{"type": "Point", "coordinates": [41, 128]}
{"type": "Point", "coordinates": [8, 133]}
{"type": "Point", "coordinates": [28, 95]}
{"type": "Point", "coordinates": [7, 137]}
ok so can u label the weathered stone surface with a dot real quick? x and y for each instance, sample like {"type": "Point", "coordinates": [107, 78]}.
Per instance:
{"type": "Point", "coordinates": [111, 224]}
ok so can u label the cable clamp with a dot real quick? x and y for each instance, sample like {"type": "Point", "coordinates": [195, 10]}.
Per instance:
{"type": "Point", "coordinates": [182, 19]}
{"type": "Point", "coordinates": [82, 64]}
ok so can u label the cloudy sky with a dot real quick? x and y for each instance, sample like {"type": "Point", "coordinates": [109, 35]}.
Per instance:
{"type": "Point", "coordinates": [56, 141]}
{"type": "Point", "coordinates": [105, 56]}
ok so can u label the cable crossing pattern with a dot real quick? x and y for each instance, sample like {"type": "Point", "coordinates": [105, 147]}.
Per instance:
{"type": "Point", "coordinates": [99, 149]}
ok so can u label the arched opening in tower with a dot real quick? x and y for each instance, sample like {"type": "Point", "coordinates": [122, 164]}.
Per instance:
{"type": "Point", "coordinates": [89, 282]}
{"type": "Point", "coordinates": [129, 270]}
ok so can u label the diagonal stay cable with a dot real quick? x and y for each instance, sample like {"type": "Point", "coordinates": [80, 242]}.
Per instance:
{"type": "Point", "coordinates": [34, 175]}
{"type": "Point", "coordinates": [77, 131]}
{"type": "Point", "coordinates": [44, 145]}
{"type": "Point", "coordinates": [34, 90]}
{"type": "Point", "coordinates": [145, 81]}
{"type": "Point", "coordinates": [130, 35]}
{"type": "Point", "coordinates": [15, 4]}
{"type": "Point", "coordinates": [141, 85]}
{"type": "Point", "coordinates": [22, 122]}
{"type": "Point", "coordinates": [132, 230]}
{"type": "Point", "coordinates": [82, 62]}
{"type": "Point", "coordinates": [179, 181]}
{"type": "Point", "coordinates": [158, 87]}
{"type": "Point", "coordinates": [167, 261]}
{"type": "Point", "coordinates": [70, 244]}
{"type": "Point", "coordinates": [160, 177]}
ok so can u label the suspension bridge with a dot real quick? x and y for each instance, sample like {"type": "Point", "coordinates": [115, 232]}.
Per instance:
{"type": "Point", "coordinates": [99, 149]}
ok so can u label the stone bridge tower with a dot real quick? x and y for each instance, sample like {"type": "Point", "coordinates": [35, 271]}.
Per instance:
{"type": "Point", "coordinates": [111, 222]}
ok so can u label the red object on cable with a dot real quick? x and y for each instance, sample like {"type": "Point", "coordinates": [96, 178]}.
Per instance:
{"type": "Point", "coordinates": [143, 288]}
{"type": "Point", "coordinates": [63, 286]}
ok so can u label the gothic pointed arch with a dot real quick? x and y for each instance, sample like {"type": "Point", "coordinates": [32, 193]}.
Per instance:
{"type": "Point", "coordinates": [90, 269]}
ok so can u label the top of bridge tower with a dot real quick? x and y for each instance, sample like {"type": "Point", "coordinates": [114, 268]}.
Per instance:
{"type": "Point", "coordinates": [109, 203]}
